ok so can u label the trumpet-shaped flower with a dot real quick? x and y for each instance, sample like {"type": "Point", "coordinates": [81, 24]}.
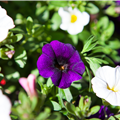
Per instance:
{"type": "Point", "coordinates": [61, 62]}
{"type": "Point", "coordinates": [73, 20]}
{"type": "Point", "coordinates": [106, 84]}
{"type": "Point", "coordinates": [6, 23]}
{"type": "Point", "coordinates": [5, 107]}
{"type": "Point", "coordinates": [29, 85]}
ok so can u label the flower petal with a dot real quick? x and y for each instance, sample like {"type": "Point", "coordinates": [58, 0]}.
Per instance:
{"type": "Point", "coordinates": [24, 83]}
{"type": "Point", "coordinates": [58, 48]}
{"type": "Point", "coordinates": [75, 58]}
{"type": "Point", "coordinates": [67, 78]}
{"type": "Point", "coordinates": [31, 80]}
{"type": "Point", "coordinates": [6, 22]}
{"type": "Point", "coordinates": [75, 28]}
{"type": "Point", "coordinates": [2, 12]}
{"type": "Point", "coordinates": [78, 67]}
{"type": "Point", "coordinates": [86, 18]}
{"type": "Point", "coordinates": [45, 66]}
{"type": "Point", "coordinates": [107, 74]}
{"type": "Point", "coordinates": [47, 49]}
{"type": "Point", "coordinates": [3, 34]}
{"type": "Point", "coordinates": [56, 77]}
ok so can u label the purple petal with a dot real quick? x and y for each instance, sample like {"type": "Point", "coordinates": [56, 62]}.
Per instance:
{"type": "Point", "coordinates": [47, 49]}
{"type": "Point", "coordinates": [58, 48]}
{"type": "Point", "coordinates": [69, 51]}
{"type": "Point", "coordinates": [75, 58]}
{"type": "Point", "coordinates": [45, 66]}
{"type": "Point", "coordinates": [68, 78]}
{"type": "Point", "coordinates": [56, 77]}
{"type": "Point", "coordinates": [78, 67]}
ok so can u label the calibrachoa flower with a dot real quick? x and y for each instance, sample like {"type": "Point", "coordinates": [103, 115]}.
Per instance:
{"type": "Point", "coordinates": [61, 62]}
{"type": "Point", "coordinates": [73, 20]}
{"type": "Point", "coordinates": [100, 114]}
{"type": "Point", "coordinates": [106, 84]}
{"type": "Point", "coordinates": [5, 107]}
{"type": "Point", "coordinates": [6, 23]}
{"type": "Point", "coordinates": [29, 85]}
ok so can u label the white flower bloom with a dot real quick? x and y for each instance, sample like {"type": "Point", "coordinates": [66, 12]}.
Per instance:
{"type": "Point", "coordinates": [73, 20]}
{"type": "Point", "coordinates": [5, 107]}
{"type": "Point", "coordinates": [6, 23]}
{"type": "Point", "coordinates": [106, 84]}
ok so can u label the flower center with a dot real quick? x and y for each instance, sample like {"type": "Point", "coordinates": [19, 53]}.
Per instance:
{"type": "Point", "coordinates": [113, 89]}
{"type": "Point", "coordinates": [73, 18]}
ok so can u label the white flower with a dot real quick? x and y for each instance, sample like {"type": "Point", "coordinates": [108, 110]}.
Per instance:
{"type": "Point", "coordinates": [6, 23]}
{"type": "Point", "coordinates": [106, 84]}
{"type": "Point", "coordinates": [73, 20]}
{"type": "Point", "coordinates": [5, 107]}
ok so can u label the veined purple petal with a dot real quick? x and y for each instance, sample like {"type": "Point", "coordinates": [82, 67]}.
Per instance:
{"type": "Point", "coordinates": [58, 47]}
{"type": "Point", "coordinates": [78, 67]}
{"type": "Point", "coordinates": [47, 49]}
{"type": "Point", "coordinates": [67, 78]}
{"type": "Point", "coordinates": [45, 66]}
{"type": "Point", "coordinates": [75, 58]}
{"type": "Point", "coordinates": [56, 77]}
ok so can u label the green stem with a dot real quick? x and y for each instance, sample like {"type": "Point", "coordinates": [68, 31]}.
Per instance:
{"type": "Point", "coordinates": [105, 112]}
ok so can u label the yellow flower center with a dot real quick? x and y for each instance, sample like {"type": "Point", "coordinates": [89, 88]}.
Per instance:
{"type": "Point", "coordinates": [73, 18]}
{"type": "Point", "coordinates": [113, 89]}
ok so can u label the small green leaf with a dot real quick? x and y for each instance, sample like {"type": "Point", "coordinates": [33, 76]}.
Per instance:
{"type": "Point", "coordinates": [74, 39]}
{"type": "Point", "coordinates": [1, 76]}
{"type": "Point", "coordinates": [111, 11]}
{"type": "Point", "coordinates": [71, 108]}
{"type": "Point", "coordinates": [68, 94]}
{"type": "Point", "coordinates": [94, 110]}
{"type": "Point", "coordinates": [20, 56]}
{"type": "Point", "coordinates": [92, 9]}
{"type": "Point", "coordinates": [59, 3]}
{"type": "Point", "coordinates": [111, 118]}
{"type": "Point", "coordinates": [29, 25]}
{"type": "Point", "coordinates": [56, 21]}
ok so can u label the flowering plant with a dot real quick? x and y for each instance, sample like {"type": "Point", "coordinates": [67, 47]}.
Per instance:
{"type": "Point", "coordinates": [59, 60]}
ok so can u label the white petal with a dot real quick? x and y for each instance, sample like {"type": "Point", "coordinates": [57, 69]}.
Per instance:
{"type": "Point", "coordinates": [6, 22]}
{"type": "Point", "coordinates": [86, 18]}
{"type": "Point", "coordinates": [2, 12]}
{"type": "Point", "coordinates": [64, 26]}
{"type": "Point", "coordinates": [63, 13]}
{"type": "Point", "coordinates": [4, 117]}
{"type": "Point", "coordinates": [117, 78]}
{"type": "Point", "coordinates": [75, 28]}
{"type": "Point", "coordinates": [113, 98]}
{"type": "Point", "coordinates": [106, 73]}
{"type": "Point", "coordinates": [5, 104]}
{"type": "Point", "coordinates": [3, 34]}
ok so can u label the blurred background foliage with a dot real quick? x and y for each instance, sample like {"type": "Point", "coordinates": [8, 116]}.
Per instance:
{"type": "Point", "coordinates": [37, 23]}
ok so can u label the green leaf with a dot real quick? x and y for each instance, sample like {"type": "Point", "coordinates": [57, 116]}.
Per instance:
{"type": "Point", "coordinates": [29, 25]}
{"type": "Point", "coordinates": [59, 3]}
{"type": "Point", "coordinates": [94, 110]}
{"type": "Point", "coordinates": [111, 11]}
{"type": "Point", "coordinates": [92, 9]}
{"type": "Point", "coordinates": [93, 65]}
{"type": "Point", "coordinates": [43, 115]}
{"type": "Point", "coordinates": [20, 56]}
{"type": "Point", "coordinates": [56, 106]}
{"type": "Point", "coordinates": [49, 82]}
{"type": "Point", "coordinates": [71, 108]}
{"type": "Point", "coordinates": [2, 53]}
{"type": "Point", "coordinates": [68, 94]}
{"type": "Point", "coordinates": [56, 21]}
{"type": "Point", "coordinates": [1, 76]}
{"type": "Point", "coordinates": [111, 118]}
{"type": "Point", "coordinates": [11, 73]}
{"type": "Point", "coordinates": [74, 39]}
{"type": "Point", "coordinates": [117, 116]}
{"type": "Point", "coordinates": [42, 13]}
{"type": "Point", "coordinates": [89, 45]}
{"type": "Point", "coordinates": [55, 116]}
{"type": "Point", "coordinates": [81, 103]}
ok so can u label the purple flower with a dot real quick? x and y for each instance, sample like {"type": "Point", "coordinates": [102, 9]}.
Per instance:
{"type": "Point", "coordinates": [61, 62]}
{"type": "Point", "coordinates": [117, 2]}
{"type": "Point", "coordinates": [101, 113]}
